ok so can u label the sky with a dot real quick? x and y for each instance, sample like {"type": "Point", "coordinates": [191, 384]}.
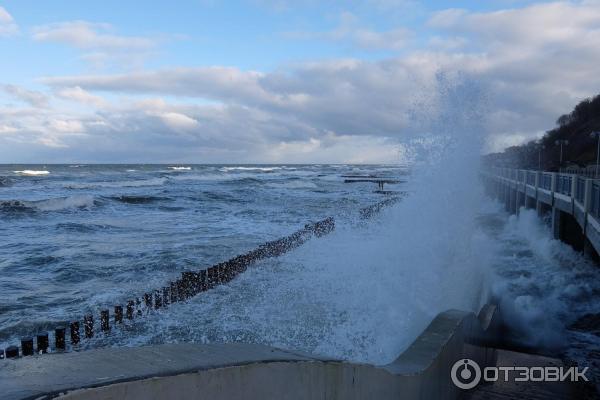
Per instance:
{"type": "Point", "coordinates": [281, 81]}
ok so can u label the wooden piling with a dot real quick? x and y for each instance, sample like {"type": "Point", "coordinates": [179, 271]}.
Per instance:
{"type": "Point", "coordinates": [118, 314]}
{"type": "Point", "coordinates": [74, 332]}
{"type": "Point", "coordinates": [88, 326]}
{"type": "Point", "coordinates": [27, 346]}
{"type": "Point", "coordinates": [42, 343]}
{"type": "Point", "coordinates": [59, 339]}
{"type": "Point", "coordinates": [104, 321]}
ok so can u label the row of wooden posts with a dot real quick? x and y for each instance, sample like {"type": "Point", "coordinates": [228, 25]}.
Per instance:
{"type": "Point", "coordinates": [188, 285]}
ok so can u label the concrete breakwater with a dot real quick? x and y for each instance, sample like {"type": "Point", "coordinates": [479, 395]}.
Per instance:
{"type": "Point", "coordinates": [570, 202]}
{"type": "Point", "coordinates": [191, 283]}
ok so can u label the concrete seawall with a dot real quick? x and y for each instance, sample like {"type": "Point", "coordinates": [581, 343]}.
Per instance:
{"type": "Point", "coordinates": [235, 371]}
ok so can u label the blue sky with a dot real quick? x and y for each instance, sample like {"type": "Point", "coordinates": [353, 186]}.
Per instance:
{"type": "Point", "coordinates": [268, 81]}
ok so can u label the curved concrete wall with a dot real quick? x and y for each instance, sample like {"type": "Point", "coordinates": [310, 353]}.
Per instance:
{"type": "Point", "coordinates": [236, 371]}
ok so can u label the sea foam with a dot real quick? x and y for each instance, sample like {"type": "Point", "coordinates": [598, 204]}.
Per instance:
{"type": "Point", "coordinates": [32, 172]}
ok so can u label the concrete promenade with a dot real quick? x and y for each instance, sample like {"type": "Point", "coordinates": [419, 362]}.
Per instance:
{"type": "Point", "coordinates": [572, 202]}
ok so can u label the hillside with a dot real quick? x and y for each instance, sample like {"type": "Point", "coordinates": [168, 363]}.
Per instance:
{"type": "Point", "coordinates": [575, 127]}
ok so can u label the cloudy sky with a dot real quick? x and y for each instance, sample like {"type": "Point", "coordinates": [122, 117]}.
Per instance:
{"type": "Point", "coordinates": [272, 81]}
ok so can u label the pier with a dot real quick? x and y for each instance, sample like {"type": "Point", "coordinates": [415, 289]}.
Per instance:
{"type": "Point", "coordinates": [570, 201]}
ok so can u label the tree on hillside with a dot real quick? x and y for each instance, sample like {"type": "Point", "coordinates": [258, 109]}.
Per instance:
{"type": "Point", "coordinates": [576, 127]}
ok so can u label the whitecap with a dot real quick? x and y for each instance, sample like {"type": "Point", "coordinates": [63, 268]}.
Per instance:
{"type": "Point", "coordinates": [263, 169]}
{"type": "Point", "coordinates": [32, 172]}
{"type": "Point", "coordinates": [61, 203]}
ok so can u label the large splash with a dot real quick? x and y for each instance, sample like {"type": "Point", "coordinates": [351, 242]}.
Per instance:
{"type": "Point", "coordinates": [366, 291]}
{"type": "Point", "coordinates": [543, 284]}
{"type": "Point", "coordinates": [363, 293]}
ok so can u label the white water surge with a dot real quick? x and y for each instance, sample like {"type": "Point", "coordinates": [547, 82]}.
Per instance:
{"type": "Point", "coordinates": [366, 291]}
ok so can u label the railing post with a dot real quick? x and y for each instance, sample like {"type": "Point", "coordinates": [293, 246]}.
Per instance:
{"type": "Point", "coordinates": [587, 197]}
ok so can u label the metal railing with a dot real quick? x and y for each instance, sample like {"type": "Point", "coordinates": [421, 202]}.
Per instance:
{"type": "Point", "coordinates": [521, 176]}
{"type": "Point", "coordinates": [531, 178]}
{"type": "Point", "coordinates": [580, 190]}
{"type": "Point", "coordinates": [595, 206]}
{"type": "Point", "coordinates": [564, 184]}
{"type": "Point", "coordinates": [546, 181]}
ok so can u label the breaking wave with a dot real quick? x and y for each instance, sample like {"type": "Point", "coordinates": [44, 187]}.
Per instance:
{"type": "Point", "coordinates": [263, 169]}
{"type": "Point", "coordinates": [56, 204]}
{"type": "Point", "coordinates": [130, 199]}
{"type": "Point", "coordinates": [119, 184]}
{"type": "Point", "coordinates": [32, 172]}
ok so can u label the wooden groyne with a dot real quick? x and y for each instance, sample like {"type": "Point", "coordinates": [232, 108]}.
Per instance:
{"type": "Point", "coordinates": [189, 284]}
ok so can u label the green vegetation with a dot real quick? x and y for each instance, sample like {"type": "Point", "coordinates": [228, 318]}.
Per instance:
{"type": "Point", "coordinates": [576, 127]}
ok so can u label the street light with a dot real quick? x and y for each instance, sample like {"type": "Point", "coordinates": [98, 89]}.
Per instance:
{"type": "Point", "coordinates": [561, 142]}
{"type": "Point", "coordinates": [596, 135]}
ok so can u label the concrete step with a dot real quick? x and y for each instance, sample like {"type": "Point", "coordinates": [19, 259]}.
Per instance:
{"type": "Point", "coordinates": [501, 390]}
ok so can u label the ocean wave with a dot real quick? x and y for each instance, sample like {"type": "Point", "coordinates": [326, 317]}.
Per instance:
{"type": "Point", "coordinates": [4, 181]}
{"type": "Point", "coordinates": [32, 172]}
{"type": "Point", "coordinates": [10, 206]}
{"type": "Point", "coordinates": [77, 227]}
{"type": "Point", "coordinates": [244, 181]}
{"type": "Point", "coordinates": [119, 184]}
{"type": "Point", "coordinates": [140, 199]}
{"type": "Point", "coordinates": [180, 168]}
{"type": "Point", "coordinates": [262, 169]}
{"type": "Point", "coordinates": [56, 204]}
{"type": "Point", "coordinates": [294, 184]}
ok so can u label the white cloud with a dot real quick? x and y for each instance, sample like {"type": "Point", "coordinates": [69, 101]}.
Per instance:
{"type": "Point", "coordinates": [8, 26]}
{"type": "Point", "coordinates": [88, 35]}
{"type": "Point", "coordinates": [100, 45]}
{"type": "Point", "coordinates": [66, 126]}
{"type": "Point", "coordinates": [32, 97]}
{"type": "Point", "coordinates": [77, 94]}
{"type": "Point", "coordinates": [510, 74]}
{"type": "Point", "coordinates": [349, 30]}
{"type": "Point", "coordinates": [447, 18]}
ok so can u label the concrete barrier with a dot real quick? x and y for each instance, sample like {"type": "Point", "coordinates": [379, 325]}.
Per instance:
{"type": "Point", "coordinates": [246, 371]}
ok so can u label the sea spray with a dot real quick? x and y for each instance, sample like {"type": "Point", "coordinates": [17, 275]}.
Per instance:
{"type": "Point", "coordinates": [544, 285]}
{"type": "Point", "coordinates": [366, 291]}
{"type": "Point", "coordinates": [363, 293]}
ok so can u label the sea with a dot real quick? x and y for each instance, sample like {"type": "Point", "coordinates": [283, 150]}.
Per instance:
{"type": "Point", "coordinates": [78, 238]}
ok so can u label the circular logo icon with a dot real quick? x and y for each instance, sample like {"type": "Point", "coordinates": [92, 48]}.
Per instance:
{"type": "Point", "coordinates": [465, 374]}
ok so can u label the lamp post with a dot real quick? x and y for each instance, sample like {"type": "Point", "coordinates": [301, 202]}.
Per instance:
{"type": "Point", "coordinates": [540, 148]}
{"type": "Point", "coordinates": [561, 142]}
{"type": "Point", "coordinates": [596, 135]}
